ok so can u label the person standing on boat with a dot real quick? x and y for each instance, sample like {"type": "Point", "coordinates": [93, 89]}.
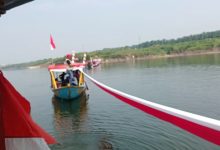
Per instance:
{"type": "Point", "coordinates": [69, 71]}
{"type": "Point", "coordinates": [68, 58]}
{"type": "Point", "coordinates": [77, 75]}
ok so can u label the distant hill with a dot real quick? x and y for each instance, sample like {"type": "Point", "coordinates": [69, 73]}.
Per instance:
{"type": "Point", "coordinates": [207, 41]}
{"type": "Point", "coordinates": [196, 37]}
{"type": "Point", "coordinates": [40, 63]}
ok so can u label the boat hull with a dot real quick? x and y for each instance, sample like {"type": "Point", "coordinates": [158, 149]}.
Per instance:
{"type": "Point", "coordinates": [68, 92]}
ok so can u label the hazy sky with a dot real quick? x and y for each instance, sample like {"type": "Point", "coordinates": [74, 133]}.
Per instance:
{"type": "Point", "coordinates": [86, 25]}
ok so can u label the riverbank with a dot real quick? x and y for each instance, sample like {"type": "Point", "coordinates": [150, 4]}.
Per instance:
{"type": "Point", "coordinates": [45, 63]}
{"type": "Point", "coordinates": [183, 54]}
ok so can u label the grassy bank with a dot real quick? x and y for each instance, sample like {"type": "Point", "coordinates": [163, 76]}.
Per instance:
{"type": "Point", "coordinates": [175, 49]}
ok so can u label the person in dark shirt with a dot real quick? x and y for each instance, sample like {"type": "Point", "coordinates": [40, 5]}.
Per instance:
{"type": "Point", "coordinates": [77, 75]}
{"type": "Point", "coordinates": [63, 80]}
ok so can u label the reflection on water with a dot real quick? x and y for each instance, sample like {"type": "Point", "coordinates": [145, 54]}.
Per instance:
{"type": "Point", "coordinates": [62, 107]}
{"type": "Point", "coordinates": [71, 124]}
{"type": "Point", "coordinates": [69, 115]}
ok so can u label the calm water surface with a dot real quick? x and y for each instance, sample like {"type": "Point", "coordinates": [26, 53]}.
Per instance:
{"type": "Point", "coordinates": [100, 121]}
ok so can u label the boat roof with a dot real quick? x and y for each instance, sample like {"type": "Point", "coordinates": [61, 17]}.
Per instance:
{"type": "Point", "coordinates": [63, 67]}
{"type": "Point", "coordinates": [9, 4]}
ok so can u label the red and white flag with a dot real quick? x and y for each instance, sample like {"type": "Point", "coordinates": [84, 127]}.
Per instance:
{"type": "Point", "coordinates": [17, 129]}
{"type": "Point", "coordinates": [52, 44]}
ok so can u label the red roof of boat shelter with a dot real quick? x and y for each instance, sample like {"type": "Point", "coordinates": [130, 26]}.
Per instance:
{"type": "Point", "coordinates": [63, 66]}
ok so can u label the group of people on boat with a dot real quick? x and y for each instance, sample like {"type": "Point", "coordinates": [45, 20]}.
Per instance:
{"type": "Point", "coordinates": [70, 76]}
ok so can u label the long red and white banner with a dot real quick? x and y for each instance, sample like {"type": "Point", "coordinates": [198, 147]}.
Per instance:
{"type": "Point", "coordinates": [203, 127]}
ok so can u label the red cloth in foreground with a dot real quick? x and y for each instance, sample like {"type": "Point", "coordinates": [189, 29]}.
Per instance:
{"type": "Point", "coordinates": [15, 118]}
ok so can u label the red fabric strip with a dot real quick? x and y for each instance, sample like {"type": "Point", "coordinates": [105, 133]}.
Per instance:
{"type": "Point", "coordinates": [201, 131]}
{"type": "Point", "coordinates": [15, 115]}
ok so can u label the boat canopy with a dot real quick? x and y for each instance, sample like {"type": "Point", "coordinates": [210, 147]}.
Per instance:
{"type": "Point", "coordinates": [62, 68]}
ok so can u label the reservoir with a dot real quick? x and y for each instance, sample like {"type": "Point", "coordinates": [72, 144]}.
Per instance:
{"type": "Point", "coordinates": [99, 121]}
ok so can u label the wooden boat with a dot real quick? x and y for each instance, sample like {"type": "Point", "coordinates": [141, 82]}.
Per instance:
{"type": "Point", "coordinates": [61, 84]}
{"type": "Point", "coordinates": [96, 62]}
{"type": "Point", "coordinates": [71, 107]}
{"type": "Point", "coordinates": [93, 63]}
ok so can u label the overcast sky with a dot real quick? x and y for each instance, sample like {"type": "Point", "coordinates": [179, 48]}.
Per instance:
{"type": "Point", "coordinates": [87, 25]}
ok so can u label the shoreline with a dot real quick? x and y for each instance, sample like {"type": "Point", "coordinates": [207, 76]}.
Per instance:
{"type": "Point", "coordinates": [132, 58]}
{"type": "Point", "coordinates": [151, 57]}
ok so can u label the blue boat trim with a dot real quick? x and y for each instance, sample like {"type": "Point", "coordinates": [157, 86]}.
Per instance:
{"type": "Point", "coordinates": [69, 92]}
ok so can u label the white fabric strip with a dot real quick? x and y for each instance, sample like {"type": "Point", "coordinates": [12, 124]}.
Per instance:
{"type": "Point", "coordinates": [205, 121]}
{"type": "Point", "coordinates": [26, 144]}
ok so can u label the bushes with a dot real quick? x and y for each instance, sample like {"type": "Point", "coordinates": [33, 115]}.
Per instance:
{"type": "Point", "coordinates": [159, 49]}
